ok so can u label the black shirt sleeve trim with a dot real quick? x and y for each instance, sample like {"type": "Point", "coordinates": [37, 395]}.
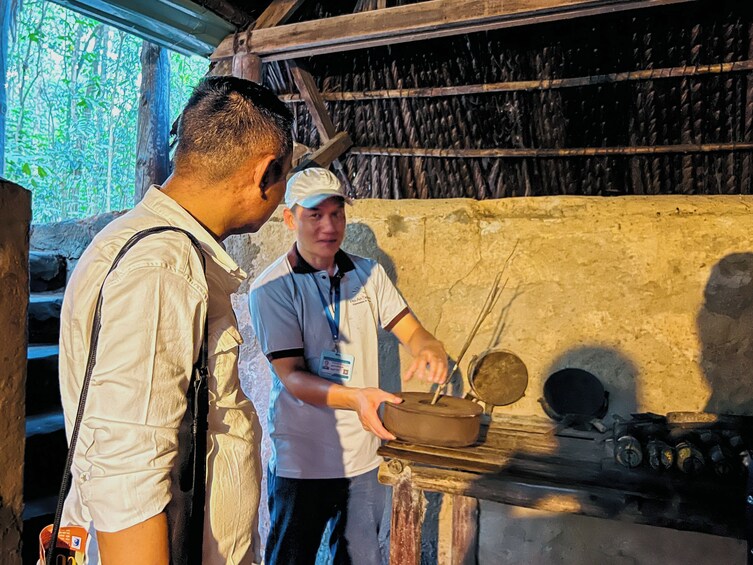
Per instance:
{"type": "Point", "coordinates": [284, 353]}
{"type": "Point", "coordinates": [397, 318]}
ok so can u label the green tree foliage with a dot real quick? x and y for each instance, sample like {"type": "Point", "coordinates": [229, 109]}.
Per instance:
{"type": "Point", "coordinates": [73, 89]}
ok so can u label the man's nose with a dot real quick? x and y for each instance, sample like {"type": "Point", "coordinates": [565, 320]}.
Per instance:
{"type": "Point", "coordinates": [328, 224]}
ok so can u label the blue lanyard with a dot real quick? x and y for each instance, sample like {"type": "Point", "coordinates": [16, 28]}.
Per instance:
{"type": "Point", "coordinates": [333, 321]}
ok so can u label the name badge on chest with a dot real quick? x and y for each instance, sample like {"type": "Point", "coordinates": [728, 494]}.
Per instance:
{"type": "Point", "coordinates": [336, 366]}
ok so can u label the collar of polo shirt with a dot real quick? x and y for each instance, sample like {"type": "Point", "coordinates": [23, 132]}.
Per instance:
{"type": "Point", "coordinates": [301, 266]}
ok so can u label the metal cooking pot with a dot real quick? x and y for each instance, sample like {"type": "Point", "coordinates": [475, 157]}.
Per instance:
{"type": "Point", "coordinates": [496, 377]}
{"type": "Point", "coordinates": [451, 422]}
{"type": "Point", "coordinates": [574, 395]}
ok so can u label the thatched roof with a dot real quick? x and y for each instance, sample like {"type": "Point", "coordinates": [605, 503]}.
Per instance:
{"type": "Point", "coordinates": [649, 101]}
{"type": "Point", "coordinates": [695, 117]}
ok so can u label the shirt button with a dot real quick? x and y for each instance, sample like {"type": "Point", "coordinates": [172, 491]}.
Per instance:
{"type": "Point", "coordinates": [324, 277]}
{"type": "Point", "coordinates": [85, 476]}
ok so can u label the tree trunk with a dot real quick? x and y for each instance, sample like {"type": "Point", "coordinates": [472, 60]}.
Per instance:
{"type": "Point", "coordinates": [111, 125]}
{"type": "Point", "coordinates": [5, 17]}
{"type": "Point", "coordinates": [152, 154]}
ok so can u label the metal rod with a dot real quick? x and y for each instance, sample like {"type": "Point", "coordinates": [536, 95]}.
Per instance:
{"type": "Point", "coordinates": [490, 299]}
{"type": "Point", "coordinates": [494, 296]}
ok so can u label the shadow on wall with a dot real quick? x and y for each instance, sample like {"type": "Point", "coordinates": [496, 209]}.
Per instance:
{"type": "Point", "coordinates": [725, 331]}
{"type": "Point", "coordinates": [513, 535]}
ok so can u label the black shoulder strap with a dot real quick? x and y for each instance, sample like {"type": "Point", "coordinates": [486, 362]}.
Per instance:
{"type": "Point", "coordinates": [198, 397]}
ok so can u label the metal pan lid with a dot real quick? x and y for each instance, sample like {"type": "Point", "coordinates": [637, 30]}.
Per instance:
{"type": "Point", "coordinates": [498, 377]}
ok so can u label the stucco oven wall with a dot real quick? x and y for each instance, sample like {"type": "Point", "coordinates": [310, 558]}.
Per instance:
{"type": "Point", "coordinates": [652, 294]}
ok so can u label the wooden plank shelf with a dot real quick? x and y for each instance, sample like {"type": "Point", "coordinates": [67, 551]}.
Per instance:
{"type": "Point", "coordinates": [524, 462]}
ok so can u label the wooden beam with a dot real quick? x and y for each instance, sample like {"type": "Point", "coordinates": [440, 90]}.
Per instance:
{"type": "Point", "coordinates": [528, 85]}
{"type": "Point", "coordinates": [315, 104]}
{"type": "Point", "coordinates": [552, 152]}
{"type": "Point", "coordinates": [668, 510]}
{"type": "Point", "coordinates": [277, 13]}
{"type": "Point", "coordinates": [314, 101]}
{"type": "Point", "coordinates": [326, 154]}
{"type": "Point", "coordinates": [424, 20]}
{"type": "Point", "coordinates": [248, 65]}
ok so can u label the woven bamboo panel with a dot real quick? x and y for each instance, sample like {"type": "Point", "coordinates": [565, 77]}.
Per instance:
{"type": "Point", "coordinates": [693, 109]}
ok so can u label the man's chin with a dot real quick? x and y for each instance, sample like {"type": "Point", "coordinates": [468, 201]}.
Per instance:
{"type": "Point", "coordinates": [329, 247]}
{"type": "Point", "coordinates": [245, 229]}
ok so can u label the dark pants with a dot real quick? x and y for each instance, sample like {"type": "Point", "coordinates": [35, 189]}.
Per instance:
{"type": "Point", "coordinates": [301, 509]}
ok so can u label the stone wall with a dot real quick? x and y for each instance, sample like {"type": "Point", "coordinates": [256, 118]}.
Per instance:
{"type": "Point", "coordinates": [654, 295]}
{"type": "Point", "coordinates": [15, 216]}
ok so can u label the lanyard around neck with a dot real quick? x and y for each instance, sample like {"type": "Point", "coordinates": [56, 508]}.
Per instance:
{"type": "Point", "coordinates": [332, 320]}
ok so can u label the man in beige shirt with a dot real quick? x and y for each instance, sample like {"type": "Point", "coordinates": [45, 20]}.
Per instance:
{"type": "Point", "coordinates": [232, 157]}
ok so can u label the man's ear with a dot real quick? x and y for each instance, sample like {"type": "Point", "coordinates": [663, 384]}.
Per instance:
{"type": "Point", "coordinates": [288, 218]}
{"type": "Point", "coordinates": [267, 171]}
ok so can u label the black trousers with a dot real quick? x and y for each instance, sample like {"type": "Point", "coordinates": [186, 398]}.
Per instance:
{"type": "Point", "coordinates": [301, 509]}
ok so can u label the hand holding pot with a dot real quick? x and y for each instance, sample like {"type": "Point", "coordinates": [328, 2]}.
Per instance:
{"type": "Point", "coordinates": [365, 402]}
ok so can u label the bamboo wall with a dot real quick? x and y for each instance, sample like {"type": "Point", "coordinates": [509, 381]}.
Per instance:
{"type": "Point", "coordinates": [654, 109]}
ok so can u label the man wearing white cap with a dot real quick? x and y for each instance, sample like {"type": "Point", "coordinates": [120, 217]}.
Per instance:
{"type": "Point", "coordinates": [316, 311]}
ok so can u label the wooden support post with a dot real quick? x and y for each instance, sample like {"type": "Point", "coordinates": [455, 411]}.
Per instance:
{"type": "Point", "coordinates": [315, 104]}
{"type": "Point", "coordinates": [314, 101]}
{"type": "Point", "coordinates": [248, 66]}
{"type": "Point", "coordinates": [326, 154]}
{"type": "Point", "coordinates": [152, 147]}
{"type": "Point", "coordinates": [407, 516]}
{"type": "Point", "coordinates": [464, 530]}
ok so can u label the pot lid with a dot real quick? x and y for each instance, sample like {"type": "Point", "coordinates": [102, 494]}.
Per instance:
{"type": "Point", "coordinates": [498, 377]}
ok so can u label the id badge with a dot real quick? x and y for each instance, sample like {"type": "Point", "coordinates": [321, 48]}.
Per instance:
{"type": "Point", "coordinates": [336, 366]}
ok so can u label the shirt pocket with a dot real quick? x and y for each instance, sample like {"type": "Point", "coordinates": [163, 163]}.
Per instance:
{"type": "Point", "coordinates": [223, 358]}
{"type": "Point", "coordinates": [224, 340]}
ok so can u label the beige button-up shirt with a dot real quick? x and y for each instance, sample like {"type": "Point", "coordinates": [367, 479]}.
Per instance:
{"type": "Point", "coordinates": [126, 462]}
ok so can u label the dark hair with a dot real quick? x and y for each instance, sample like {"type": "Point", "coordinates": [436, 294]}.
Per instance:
{"type": "Point", "coordinates": [227, 120]}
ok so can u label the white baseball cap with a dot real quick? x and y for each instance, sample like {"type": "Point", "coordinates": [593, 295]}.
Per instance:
{"type": "Point", "coordinates": [310, 187]}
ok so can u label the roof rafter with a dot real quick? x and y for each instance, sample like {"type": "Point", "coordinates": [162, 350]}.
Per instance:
{"type": "Point", "coordinates": [278, 12]}
{"type": "Point", "coordinates": [229, 12]}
